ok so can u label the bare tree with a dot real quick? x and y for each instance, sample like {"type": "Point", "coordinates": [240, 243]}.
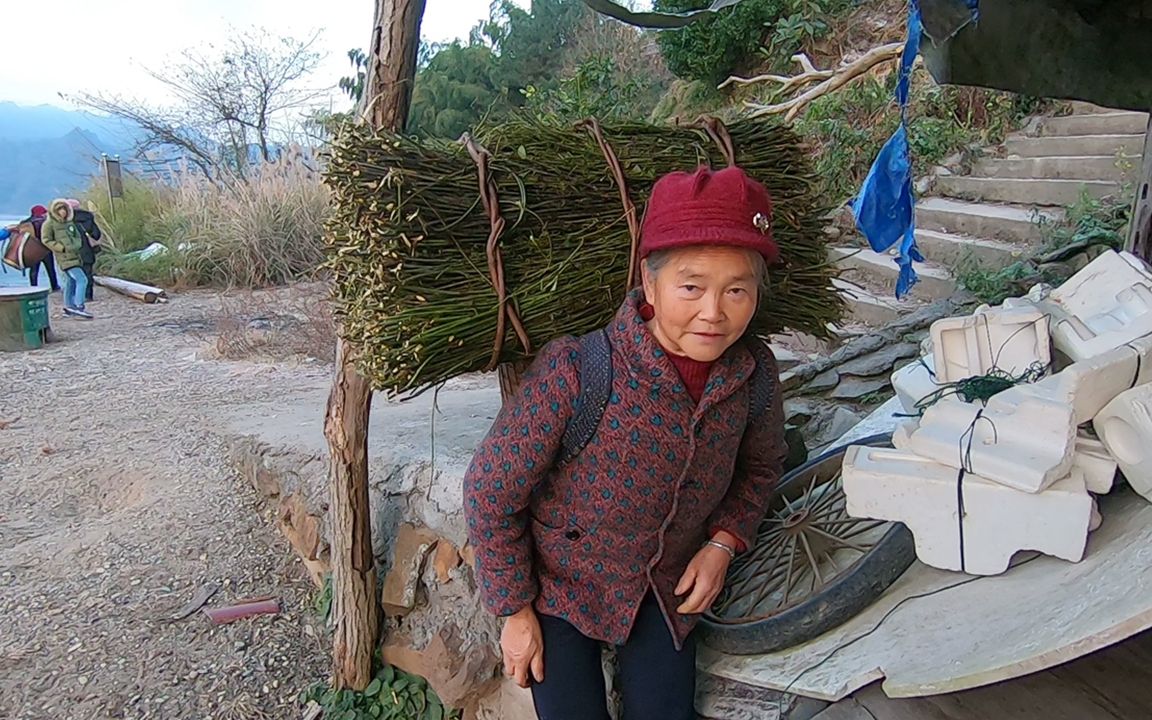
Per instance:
{"type": "Point", "coordinates": [226, 99]}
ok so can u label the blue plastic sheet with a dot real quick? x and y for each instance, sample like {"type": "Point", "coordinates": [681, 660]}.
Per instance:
{"type": "Point", "coordinates": [885, 207]}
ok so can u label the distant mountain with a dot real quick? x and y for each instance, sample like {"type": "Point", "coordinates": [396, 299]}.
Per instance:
{"type": "Point", "coordinates": [46, 152]}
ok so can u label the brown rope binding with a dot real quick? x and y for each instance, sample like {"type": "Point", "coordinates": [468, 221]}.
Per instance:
{"type": "Point", "coordinates": [507, 310]}
{"type": "Point", "coordinates": [719, 135]}
{"type": "Point", "coordinates": [593, 126]}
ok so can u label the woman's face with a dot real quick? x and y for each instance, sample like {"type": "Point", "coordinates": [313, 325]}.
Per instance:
{"type": "Point", "coordinates": [62, 212]}
{"type": "Point", "coordinates": [703, 300]}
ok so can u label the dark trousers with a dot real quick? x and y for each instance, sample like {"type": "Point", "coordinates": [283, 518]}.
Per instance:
{"type": "Point", "coordinates": [49, 264]}
{"type": "Point", "coordinates": [91, 283]}
{"type": "Point", "coordinates": [656, 681]}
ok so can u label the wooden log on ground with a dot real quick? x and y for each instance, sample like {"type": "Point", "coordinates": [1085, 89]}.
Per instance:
{"type": "Point", "coordinates": [139, 291]}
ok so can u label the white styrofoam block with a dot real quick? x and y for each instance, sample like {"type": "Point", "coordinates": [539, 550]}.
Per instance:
{"type": "Point", "coordinates": [902, 434]}
{"type": "Point", "coordinates": [1012, 340]}
{"type": "Point", "coordinates": [1022, 439]}
{"type": "Point", "coordinates": [1091, 384]}
{"type": "Point", "coordinates": [1105, 305]}
{"type": "Point", "coordinates": [1125, 426]}
{"type": "Point", "coordinates": [894, 485]}
{"type": "Point", "coordinates": [914, 382]}
{"type": "Point", "coordinates": [1097, 464]}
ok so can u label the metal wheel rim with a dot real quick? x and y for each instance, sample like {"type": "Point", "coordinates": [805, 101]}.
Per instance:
{"type": "Point", "coordinates": [804, 544]}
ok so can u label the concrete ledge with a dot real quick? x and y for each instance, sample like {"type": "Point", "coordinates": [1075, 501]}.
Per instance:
{"type": "Point", "coordinates": [1024, 191]}
{"type": "Point", "coordinates": [994, 222]}
{"type": "Point", "coordinates": [935, 283]}
{"type": "Point", "coordinates": [1090, 145]}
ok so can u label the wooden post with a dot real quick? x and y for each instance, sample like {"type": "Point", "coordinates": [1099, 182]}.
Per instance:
{"type": "Point", "coordinates": [1140, 219]}
{"type": "Point", "coordinates": [355, 603]}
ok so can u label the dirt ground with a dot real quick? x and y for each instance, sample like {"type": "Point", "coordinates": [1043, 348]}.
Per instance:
{"type": "Point", "coordinates": [117, 505]}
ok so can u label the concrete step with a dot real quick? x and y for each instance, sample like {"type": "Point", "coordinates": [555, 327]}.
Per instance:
{"type": "Point", "coordinates": [995, 222]}
{"type": "Point", "coordinates": [866, 307]}
{"type": "Point", "coordinates": [1082, 146]}
{"type": "Point", "coordinates": [873, 269]}
{"type": "Point", "coordinates": [953, 250]}
{"type": "Point", "coordinates": [1100, 167]}
{"type": "Point", "coordinates": [1023, 191]}
{"type": "Point", "coordinates": [1108, 123]}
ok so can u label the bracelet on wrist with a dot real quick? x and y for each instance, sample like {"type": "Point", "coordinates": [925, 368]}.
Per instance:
{"type": "Point", "coordinates": [726, 548]}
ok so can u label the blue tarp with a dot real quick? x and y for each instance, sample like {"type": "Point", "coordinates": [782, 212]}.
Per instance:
{"type": "Point", "coordinates": [884, 209]}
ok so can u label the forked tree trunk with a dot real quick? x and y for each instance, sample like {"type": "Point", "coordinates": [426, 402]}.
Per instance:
{"type": "Point", "coordinates": [355, 605]}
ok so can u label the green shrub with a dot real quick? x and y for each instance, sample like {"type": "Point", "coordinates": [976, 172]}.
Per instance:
{"type": "Point", "coordinates": [713, 48]}
{"type": "Point", "coordinates": [135, 222]}
{"type": "Point", "coordinates": [847, 128]}
{"type": "Point", "coordinates": [166, 270]}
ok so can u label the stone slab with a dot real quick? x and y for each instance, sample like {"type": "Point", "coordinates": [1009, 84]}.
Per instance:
{"type": "Point", "coordinates": [973, 632]}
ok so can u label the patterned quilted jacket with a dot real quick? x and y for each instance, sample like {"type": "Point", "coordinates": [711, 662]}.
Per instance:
{"type": "Point", "coordinates": [586, 540]}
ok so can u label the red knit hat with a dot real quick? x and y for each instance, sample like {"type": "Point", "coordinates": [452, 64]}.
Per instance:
{"type": "Point", "coordinates": [38, 211]}
{"type": "Point", "coordinates": [725, 207]}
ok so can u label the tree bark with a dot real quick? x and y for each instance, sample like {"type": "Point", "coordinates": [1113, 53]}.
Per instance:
{"type": "Point", "coordinates": [355, 606]}
{"type": "Point", "coordinates": [391, 71]}
{"type": "Point", "coordinates": [392, 63]}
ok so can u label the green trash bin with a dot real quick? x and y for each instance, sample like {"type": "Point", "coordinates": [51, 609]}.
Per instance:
{"type": "Point", "coordinates": [23, 318]}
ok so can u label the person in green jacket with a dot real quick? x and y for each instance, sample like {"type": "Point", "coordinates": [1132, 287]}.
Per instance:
{"type": "Point", "coordinates": [62, 236]}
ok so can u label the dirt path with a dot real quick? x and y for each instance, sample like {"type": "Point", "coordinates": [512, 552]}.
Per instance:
{"type": "Point", "coordinates": [117, 504]}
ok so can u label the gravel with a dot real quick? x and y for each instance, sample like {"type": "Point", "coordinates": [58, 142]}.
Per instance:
{"type": "Point", "coordinates": [117, 505]}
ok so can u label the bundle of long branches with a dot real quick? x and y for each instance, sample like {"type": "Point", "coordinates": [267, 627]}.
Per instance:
{"type": "Point", "coordinates": [417, 286]}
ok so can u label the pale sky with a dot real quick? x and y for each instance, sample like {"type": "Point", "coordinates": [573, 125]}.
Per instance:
{"type": "Point", "coordinates": [102, 45]}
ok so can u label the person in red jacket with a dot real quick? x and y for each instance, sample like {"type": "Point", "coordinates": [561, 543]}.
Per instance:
{"type": "Point", "coordinates": [628, 541]}
{"type": "Point", "coordinates": [37, 215]}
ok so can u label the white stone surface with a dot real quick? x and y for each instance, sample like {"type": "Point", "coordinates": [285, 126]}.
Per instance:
{"type": "Point", "coordinates": [1125, 426]}
{"type": "Point", "coordinates": [934, 632]}
{"type": "Point", "coordinates": [1022, 439]}
{"type": "Point", "coordinates": [1103, 306]}
{"type": "Point", "coordinates": [1091, 384]}
{"type": "Point", "coordinates": [1093, 459]}
{"type": "Point", "coordinates": [1012, 340]}
{"type": "Point", "coordinates": [998, 521]}
{"type": "Point", "coordinates": [914, 382]}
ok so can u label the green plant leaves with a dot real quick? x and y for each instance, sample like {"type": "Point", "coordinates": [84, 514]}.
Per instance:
{"type": "Point", "coordinates": [391, 695]}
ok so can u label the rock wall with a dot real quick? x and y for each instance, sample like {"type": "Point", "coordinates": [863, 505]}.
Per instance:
{"type": "Point", "coordinates": [828, 396]}
{"type": "Point", "coordinates": [418, 452]}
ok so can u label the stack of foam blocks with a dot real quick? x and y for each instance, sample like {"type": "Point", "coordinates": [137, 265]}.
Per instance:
{"type": "Point", "coordinates": [978, 482]}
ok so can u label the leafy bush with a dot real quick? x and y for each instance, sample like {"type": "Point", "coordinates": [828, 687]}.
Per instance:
{"type": "Point", "coordinates": [135, 222]}
{"type": "Point", "coordinates": [1090, 221]}
{"type": "Point", "coordinates": [715, 47]}
{"type": "Point", "coordinates": [392, 695]}
{"type": "Point", "coordinates": [167, 270]}
{"type": "Point", "coordinates": [711, 49]}
{"type": "Point", "coordinates": [1087, 225]}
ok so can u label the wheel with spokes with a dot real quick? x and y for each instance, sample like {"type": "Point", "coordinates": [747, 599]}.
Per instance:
{"type": "Point", "coordinates": [812, 567]}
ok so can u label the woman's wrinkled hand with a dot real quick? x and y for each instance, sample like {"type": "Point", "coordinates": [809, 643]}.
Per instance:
{"type": "Point", "coordinates": [522, 645]}
{"type": "Point", "coordinates": [702, 580]}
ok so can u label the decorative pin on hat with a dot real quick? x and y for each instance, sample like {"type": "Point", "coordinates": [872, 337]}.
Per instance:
{"type": "Point", "coordinates": [762, 223]}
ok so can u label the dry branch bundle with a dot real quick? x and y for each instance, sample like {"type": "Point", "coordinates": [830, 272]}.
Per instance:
{"type": "Point", "coordinates": [409, 244]}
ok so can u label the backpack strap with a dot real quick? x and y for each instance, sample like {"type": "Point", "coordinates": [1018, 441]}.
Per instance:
{"type": "Point", "coordinates": [595, 389]}
{"type": "Point", "coordinates": [762, 383]}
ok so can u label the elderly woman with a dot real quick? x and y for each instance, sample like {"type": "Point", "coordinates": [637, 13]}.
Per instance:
{"type": "Point", "coordinates": [628, 540]}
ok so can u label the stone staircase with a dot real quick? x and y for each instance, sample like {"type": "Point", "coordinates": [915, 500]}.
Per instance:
{"type": "Point", "coordinates": [992, 215]}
